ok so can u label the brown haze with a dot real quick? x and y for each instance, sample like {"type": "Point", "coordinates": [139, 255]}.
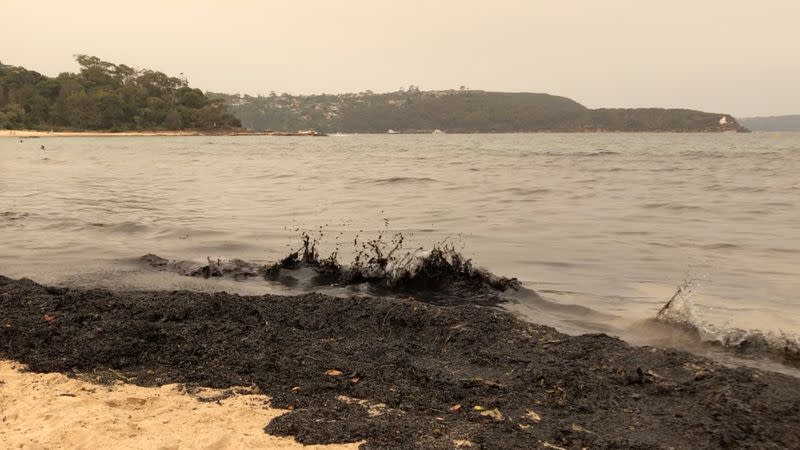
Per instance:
{"type": "Point", "coordinates": [727, 56]}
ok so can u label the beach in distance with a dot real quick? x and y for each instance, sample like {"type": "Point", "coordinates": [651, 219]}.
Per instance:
{"type": "Point", "coordinates": [37, 133]}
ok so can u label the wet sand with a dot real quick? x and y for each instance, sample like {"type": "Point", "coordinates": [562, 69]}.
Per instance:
{"type": "Point", "coordinates": [54, 411]}
{"type": "Point", "coordinates": [398, 373]}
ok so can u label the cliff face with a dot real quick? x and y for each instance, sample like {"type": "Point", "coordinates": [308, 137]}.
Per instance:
{"type": "Point", "coordinates": [461, 111]}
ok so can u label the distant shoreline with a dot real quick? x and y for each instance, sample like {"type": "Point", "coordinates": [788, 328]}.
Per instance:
{"type": "Point", "coordinates": [21, 134]}
{"type": "Point", "coordinates": [36, 134]}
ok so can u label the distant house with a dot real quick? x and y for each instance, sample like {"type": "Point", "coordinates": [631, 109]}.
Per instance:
{"type": "Point", "coordinates": [723, 120]}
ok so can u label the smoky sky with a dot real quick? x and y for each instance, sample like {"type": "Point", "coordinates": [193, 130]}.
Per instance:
{"type": "Point", "coordinates": [737, 57]}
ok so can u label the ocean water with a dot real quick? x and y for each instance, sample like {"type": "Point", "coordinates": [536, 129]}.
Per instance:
{"type": "Point", "coordinates": [603, 226]}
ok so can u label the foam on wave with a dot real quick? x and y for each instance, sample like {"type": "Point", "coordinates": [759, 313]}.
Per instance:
{"type": "Point", "coordinates": [680, 312]}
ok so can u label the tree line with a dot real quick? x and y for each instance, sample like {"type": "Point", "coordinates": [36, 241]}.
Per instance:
{"type": "Point", "coordinates": [462, 111]}
{"type": "Point", "coordinates": [106, 96]}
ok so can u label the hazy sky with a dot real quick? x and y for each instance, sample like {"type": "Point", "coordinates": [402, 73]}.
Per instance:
{"type": "Point", "coordinates": [735, 56]}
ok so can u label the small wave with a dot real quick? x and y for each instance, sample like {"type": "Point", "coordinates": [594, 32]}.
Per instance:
{"type": "Point", "coordinates": [270, 176]}
{"type": "Point", "coordinates": [440, 275]}
{"type": "Point", "coordinates": [700, 154]}
{"type": "Point", "coordinates": [127, 227]}
{"type": "Point", "coordinates": [396, 180]}
{"type": "Point", "coordinates": [670, 169]}
{"type": "Point", "coordinates": [559, 264]}
{"type": "Point", "coordinates": [601, 153]}
{"type": "Point", "coordinates": [680, 312]}
{"type": "Point", "coordinates": [672, 206]}
{"type": "Point", "coordinates": [631, 233]}
{"type": "Point", "coordinates": [747, 189]}
{"type": "Point", "coordinates": [559, 292]}
{"type": "Point", "coordinates": [11, 215]}
{"type": "Point", "coordinates": [522, 191]}
{"type": "Point", "coordinates": [720, 246]}
{"type": "Point", "coordinates": [583, 154]}
{"type": "Point", "coordinates": [782, 250]}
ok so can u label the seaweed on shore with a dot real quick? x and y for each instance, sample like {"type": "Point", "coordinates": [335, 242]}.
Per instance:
{"type": "Point", "coordinates": [441, 275]}
{"type": "Point", "coordinates": [402, 374]}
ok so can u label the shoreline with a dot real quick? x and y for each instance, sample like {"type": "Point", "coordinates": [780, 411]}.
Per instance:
{"type": "Point", "coordinates": [21, 134]}
{"type": "Point", "coordinates": [392, 372]}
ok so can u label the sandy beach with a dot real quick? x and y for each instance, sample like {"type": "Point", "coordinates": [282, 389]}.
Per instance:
{"type": "Point", "coordinates": [48, 411]}
{"type": "Point", "coordinates": [35, 134]}
{"type": "Point", "coordinates": [21, 134]}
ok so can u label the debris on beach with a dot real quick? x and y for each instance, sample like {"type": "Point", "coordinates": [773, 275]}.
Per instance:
{"type": "Point", "coordinates": [440, 275]}
{"type": "Point", "coordinates": [591, 391]}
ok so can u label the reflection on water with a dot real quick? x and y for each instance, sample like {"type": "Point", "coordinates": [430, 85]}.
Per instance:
{"type": "Point", "coordinates": [609, 222]}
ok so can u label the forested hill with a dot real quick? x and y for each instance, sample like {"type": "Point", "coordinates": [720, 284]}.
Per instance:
{"type": "Point", "coordinates": [460, 111]}
{"type": "Point", "coordinates": [116, 97]}
{"type": "Point", "coordinates": [773, 123]}
{"type": "Point", "coordinates": [106, 96]}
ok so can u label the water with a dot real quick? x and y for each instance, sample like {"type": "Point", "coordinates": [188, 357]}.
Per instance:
{"type": "Point", "coordinates": [609, 222]}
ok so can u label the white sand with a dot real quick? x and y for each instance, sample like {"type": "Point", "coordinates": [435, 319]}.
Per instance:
{"type": "Point", "coordinates": [49, 411]}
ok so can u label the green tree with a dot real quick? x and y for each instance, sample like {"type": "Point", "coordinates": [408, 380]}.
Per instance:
{"type": "Point", "coordinates": [104, 95]}
{"type": "Point", "coordinates": [173, 120]}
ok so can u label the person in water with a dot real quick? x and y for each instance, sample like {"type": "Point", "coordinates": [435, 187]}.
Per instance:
{"type": "Point", "coordinates": [43, 148]}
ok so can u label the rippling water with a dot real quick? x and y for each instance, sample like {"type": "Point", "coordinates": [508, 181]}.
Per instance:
{"type": "Point", "coordinates": [611, 222]}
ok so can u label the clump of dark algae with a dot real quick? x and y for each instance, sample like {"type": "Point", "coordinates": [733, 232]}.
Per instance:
{"type": "Point", "coordinates": [440, 275]}
{"type": "Point", "coordinates": [402, 374]}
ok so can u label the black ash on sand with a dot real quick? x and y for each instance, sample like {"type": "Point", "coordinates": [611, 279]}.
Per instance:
{"type": "Point", "coordinates": [402, 374]}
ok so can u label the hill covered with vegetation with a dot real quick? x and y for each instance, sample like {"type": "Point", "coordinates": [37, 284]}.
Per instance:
{"type": "Point", "coordinates": [106, 96]}
{"type": "Point", "coordinates": [115, 97]}
{"type": "Point", "coordinates": [458, 111]}
{"type": "Point", "coordinates": [773, 123]}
